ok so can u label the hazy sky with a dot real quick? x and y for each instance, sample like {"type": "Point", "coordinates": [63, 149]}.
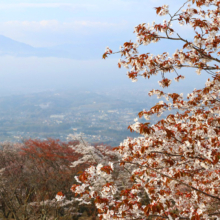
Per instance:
{"type": "Point", "coordinates": [91, 23]}
{"type": "Point", "coordinates": [52, 22]}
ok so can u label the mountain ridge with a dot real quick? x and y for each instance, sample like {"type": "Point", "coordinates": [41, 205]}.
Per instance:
{"type": "Point", "coordinates": [15, 48]}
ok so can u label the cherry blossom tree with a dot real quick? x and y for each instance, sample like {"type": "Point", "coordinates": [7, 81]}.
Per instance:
{"type": "Point", "coordinates": [32, 173]}
{"type": "Point", "coordinates": [172, 171]}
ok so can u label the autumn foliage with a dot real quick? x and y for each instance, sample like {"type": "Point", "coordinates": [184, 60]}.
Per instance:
{"type": "Point", "coordinates": [32, 174]}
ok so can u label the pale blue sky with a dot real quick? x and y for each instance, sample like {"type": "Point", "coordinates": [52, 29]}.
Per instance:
{"type": "Point", "coordinates": [90, 24]}
{"type": "Point", "coordinates": [48, 23]}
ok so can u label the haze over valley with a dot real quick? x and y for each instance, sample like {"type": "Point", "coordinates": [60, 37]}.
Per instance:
{"type": "Point", "coordinates": [53, 80]}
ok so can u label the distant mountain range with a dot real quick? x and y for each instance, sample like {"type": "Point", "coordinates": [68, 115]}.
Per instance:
{"type": "Point", "coordinates": [92, 49]}
{"type": "Point", "coordinates": [73, 51]}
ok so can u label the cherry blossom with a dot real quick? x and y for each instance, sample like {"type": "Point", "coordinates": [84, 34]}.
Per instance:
{"type": "Point", "coordinates": [60, 196]}
{"type": "Point", "coordinates": [172, 171]}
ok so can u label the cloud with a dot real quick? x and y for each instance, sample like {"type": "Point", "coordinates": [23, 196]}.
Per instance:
{"type": "Point", "coordinates": [53, 32]}
{"type": "Point", "coordinates": [44, 5]}
{"type": "Point", "coordinates": [95, 5]}
{"type": "Point", "coordinates": [75, 21]}
{"type": "Point", "coordinates": [57, 26]}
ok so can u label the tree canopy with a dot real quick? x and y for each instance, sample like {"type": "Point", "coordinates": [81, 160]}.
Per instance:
{"type": "Point", "coordinates": [172, 171]}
